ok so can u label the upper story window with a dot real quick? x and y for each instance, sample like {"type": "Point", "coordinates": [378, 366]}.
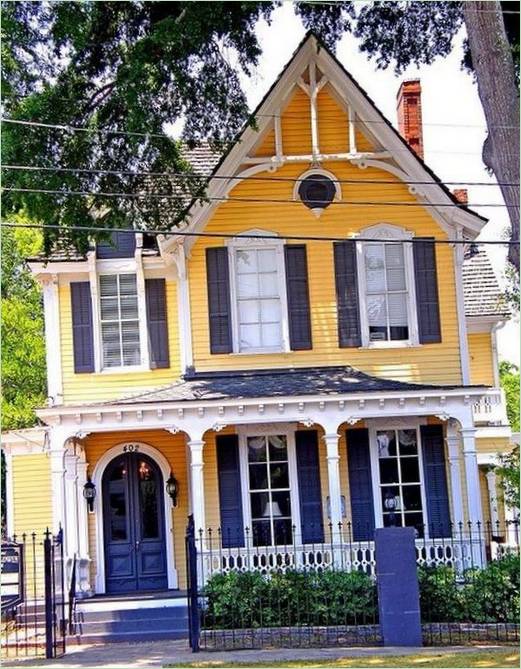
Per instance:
{"type": "Point", "coordinates": [119, 319]}
{"type": "Point", "coordinates": [386, 287]}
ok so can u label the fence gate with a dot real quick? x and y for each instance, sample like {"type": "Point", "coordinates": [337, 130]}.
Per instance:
{"type": "Point", "coordinates": [33, 595]}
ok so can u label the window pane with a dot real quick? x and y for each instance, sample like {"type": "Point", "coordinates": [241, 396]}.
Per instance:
{"type": "Point", "coordinates": [394, 256]}
{"type": "Point", "coordinates": [283, 532]}
{"type": "Point", "coordinates": [386, 440]}
{"type": "Point", "coordinates": [258, 477]}
{"type": "Point", "coordinates": [391, 499]}
{"type": "Point", "coordinates": [392, 520]}
{"type": "Point", "coordinates": [410, 470]}
{"type": "Point", "coordinates": [109, 309]}
{"type": "Point", "coordinates": [111, 344]}
{"type": "Point", "coordinates": [278, 448]}
{"type": "Point", "coordinates": [270, 311]}
{"type": "Point", "coordinates": [130, 338]}
{"type": "Point", "coordinates": [412, 500]}
{"type": "Point", "coordinates": [396, 279]}
{"type": "Point", "coordinates": [148, 498]}
{"type": "Point", "coordinates": [249, 337]}
{"type": "Point", "coordinates": [408, 442]}
{"type": "Point", "coordinates": [247, 285]}
{"type": "Point", "coordinates": [397, 305]}
{"type": "Point", "coordinates": [271, 335]}
{"type": "Point", "coordinates": [389, 470]}
{"type": "Point", "coordinates": [399, 333]}
{"type": "Point", "coordinates": [248, 311]}
{"type": "Point", "coordinates": [260, 505]}
{"type": "Point", "coordinates": [108, 285]}
{"type": "Point", "coordinates": [129, 307]}
{"type": "Point", "coordinates": [374, 268]}
{"type": "Point", "coordinates": [281, 505]}
{"type": "Point", "coordinates": [415, 520]}
{"type": "Point", "coordinates": [376, 310]}
{"type": "Point", "coordinates": [261, 533]}
{"type": "Point", "coordinates": [267, 260]}
{"type": "Point", "coordinates": [279, 475]}
{"type": "Point", "coordinates": [127, 284]}
{"type": "Point", "coordinates": [257, 449]}
{"type": "Point", "coordinates": [245, 261]}
{"type": "Point", "coordinates": [268, 285]}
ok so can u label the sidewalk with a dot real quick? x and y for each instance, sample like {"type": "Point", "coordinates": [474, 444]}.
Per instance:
{"type": "Point", "coordinates": [164, 653]}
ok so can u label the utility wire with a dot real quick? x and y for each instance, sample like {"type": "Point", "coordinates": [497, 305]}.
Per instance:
{"type": "Point", "coordinates": [227, 235]}
{"type": "Point", "coordinates": [190, 175]}
{"type": "Point", "coordinates": [332, 4]}
{"type": "Point", "coordinates": [189, 198]}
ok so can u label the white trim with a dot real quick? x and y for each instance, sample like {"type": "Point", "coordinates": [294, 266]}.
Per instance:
{"type": "Point", "coordinates": [9, 494]}
{"type": "Point", "coordinates": [262, 430]}
{"type": "Point", "coordinates": [237, 243]}
{"type": "Point", "coordinates": [460, 309]}
{"type": "Point", "coordinates": [407, 423]}
{"type": "Point", "coordinates": [142, 311]}
{"type": "Point", "coordinates": [382, 231]}
{"type": "Point", "coordinates": [183, 309]}
{"type": "Point", "coordinates": [94, 295]}
{"type": "Point", "coordinates": [51, 305]}
{"type": "Point", "coordinates": [97, 478]}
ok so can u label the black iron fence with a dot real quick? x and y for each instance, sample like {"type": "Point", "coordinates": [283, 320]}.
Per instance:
{"type": "Point", "coordinates": [33, 595]}
{"type": "Point", "coordinates": [247, 593]}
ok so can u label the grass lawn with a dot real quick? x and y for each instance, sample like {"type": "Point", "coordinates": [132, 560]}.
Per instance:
{"type": "Point", "coordinates": [507, 657]}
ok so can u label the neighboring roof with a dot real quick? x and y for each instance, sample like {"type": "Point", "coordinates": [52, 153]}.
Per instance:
{"type": "Point", "coordinates": [483, 295]}
{"type": "Point", "coordinates": [274, 383]}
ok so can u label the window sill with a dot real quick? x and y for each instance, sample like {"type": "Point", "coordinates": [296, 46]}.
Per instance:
{"type": "Point", "coordinates": [390, 344]}
{"type": "Point", "coordinates": [262, 351]}
{"type": "Point", "coordinates": [124, 369]}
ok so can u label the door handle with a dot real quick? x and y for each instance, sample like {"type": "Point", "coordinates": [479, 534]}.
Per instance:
{"type": "Point", "coordinates": [136, 545]}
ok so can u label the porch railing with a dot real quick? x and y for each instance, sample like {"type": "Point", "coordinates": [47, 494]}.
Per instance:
{"type": "Point", "coordinates": [465, 546]}
{"type": "Point", "coordinates": [491, 408]}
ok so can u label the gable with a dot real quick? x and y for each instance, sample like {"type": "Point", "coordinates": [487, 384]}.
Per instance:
{"type": "Point", "coordinates": [289, 130]}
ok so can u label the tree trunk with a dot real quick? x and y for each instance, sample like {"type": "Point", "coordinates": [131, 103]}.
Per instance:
{"type": "Point", "coordinates": [494, 67]}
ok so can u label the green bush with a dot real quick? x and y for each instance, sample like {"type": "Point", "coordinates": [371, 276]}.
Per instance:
{"type": "Point", "coordinates": [289, 598]}
{"type": "Point", "coordinates": [488, 595]}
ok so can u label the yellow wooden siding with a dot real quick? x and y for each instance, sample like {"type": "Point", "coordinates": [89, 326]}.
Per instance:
{"type": "Point", "coordinates": [435, 363]}
{"type": "Point", "coordinates": [91, 387]}
{"type": "Point", "coordinates": [481, 359]}
{"type": "Point", "coordinates": [493, 444]}
{"type": "Point", "coordinates": [173, 447]}
{"type": "Point", "coordinates": [266, 146]}
{"type": "Point", "coordinates": [32, 509]}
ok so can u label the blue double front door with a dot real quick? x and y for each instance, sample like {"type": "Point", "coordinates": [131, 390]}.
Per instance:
{"type": "Point", "coordinates": [134, 527]}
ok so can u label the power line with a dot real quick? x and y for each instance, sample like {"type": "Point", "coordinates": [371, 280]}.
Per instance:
{"type": "Point", "coordinates": [190, 175]}
{"type": "Point", "coordinates": [227, 235]}
{"type": "Point", "coordinates": [188, 198]}
{"type": "Point", "coordinates": [332, 4]}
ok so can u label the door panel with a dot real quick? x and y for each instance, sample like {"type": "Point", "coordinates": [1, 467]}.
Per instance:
{"type": "Point", "coordinates": [135, 551]}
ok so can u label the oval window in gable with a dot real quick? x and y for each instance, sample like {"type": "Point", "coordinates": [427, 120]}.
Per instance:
{"type": "Point", "coordinates": [317, 191]}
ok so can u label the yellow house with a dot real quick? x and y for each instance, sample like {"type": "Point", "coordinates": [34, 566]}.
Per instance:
{"type": "Point", "coordinates": [314, 352]}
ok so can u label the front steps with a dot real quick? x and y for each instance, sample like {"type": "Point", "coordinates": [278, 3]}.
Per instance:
{"type": "Point", "coordinates": [107, 620]}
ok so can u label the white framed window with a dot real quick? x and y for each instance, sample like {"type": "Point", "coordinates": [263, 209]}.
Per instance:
{"type": "Point", "coordinates": [398, 486]}
{"type": "Point", "coordinates": [258, 294]}
{"type": "Point", "coordinates": [119, 317]}
{"type": "Point", "coordinates": [270, 485]}
{"type": "Point", "coordinates": [386, 288]}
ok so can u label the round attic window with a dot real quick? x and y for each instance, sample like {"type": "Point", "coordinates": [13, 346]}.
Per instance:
{"type": "Point", "coordinates": [317, 191]}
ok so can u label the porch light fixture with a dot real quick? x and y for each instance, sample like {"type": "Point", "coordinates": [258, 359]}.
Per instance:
{"type": "Point", "coordinates": [172, 488]}
{"type": "Point", "coordinates": [89, 493]}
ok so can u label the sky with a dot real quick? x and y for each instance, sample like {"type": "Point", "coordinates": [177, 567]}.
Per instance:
{"type": "Point", "coordinates": [454, 124]}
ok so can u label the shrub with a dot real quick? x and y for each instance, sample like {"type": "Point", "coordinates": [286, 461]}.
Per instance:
{"type": "Point", "coordinates": [289, 598]}
{"type": "Point", "coordinates": [492, 594]}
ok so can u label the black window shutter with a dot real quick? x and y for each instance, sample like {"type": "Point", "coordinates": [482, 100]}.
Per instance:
{"type": "Point", "coordinates": [230, 496]}
{"type": "Point", "coordinates": [157, 324]}
{"type": "Point", "coordinates": [219, 311]}
{"type": "Point", "coordinates": [346, 281]}
{"type": "Point", "coordinates": [310, 492]}
{"type": "Point", "coordinates": [360, 484]}
{"type": "Point", "coordinates": [435, 477]}
{"type": "Point", "coordinates": [82, 331]}
{"type": "Point", "coordinates": [427, 301]}
{"type": "Point", "coordinates": [121, 245]}
{"type": "Point", "coordinates": [299, 317]}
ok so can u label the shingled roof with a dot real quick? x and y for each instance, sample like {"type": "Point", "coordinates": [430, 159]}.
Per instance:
{"type": "Point", "coordinates": [304, 381]}
{"type": "Point", "coordinates": [483, 296]}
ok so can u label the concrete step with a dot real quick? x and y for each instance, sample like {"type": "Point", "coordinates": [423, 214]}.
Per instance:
{"type": "Point", "coordinates": [145, 635]}
{"type": "Point", "coordinates": [137, 625]}
{"type": "Point", "coordinates": [164, 612]}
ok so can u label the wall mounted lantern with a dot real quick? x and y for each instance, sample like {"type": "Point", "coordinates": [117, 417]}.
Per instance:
{"type": "Point", "coordinates": [89, 493]}
{"type": "Point", "coordinates": [172, 488]}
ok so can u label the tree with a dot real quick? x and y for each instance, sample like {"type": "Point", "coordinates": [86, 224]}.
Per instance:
{"type": "Point", "coordinates": [508, 471]}
{"type": "Point", "coordinates": [137, 66]}
{"type": "Point", "coordinates": [23, 345]}
{"type": "Point", "coordinates": [509, 379]}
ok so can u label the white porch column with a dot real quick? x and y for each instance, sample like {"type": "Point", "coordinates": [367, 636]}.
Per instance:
{"type": "Point", "coordinates": [57, 438]}
{"type": "Point", "coordinates": [493, 501]}
{"type": "Point", "coordinates": [71, 546]}
{"type": "Point", "coordinates": [197, 484]}
{"type": "Point", "coordinates": [454, 448]}
{"type": "Point", "coordinates": [83, 576]}
{"type": "Point", "coordinates": [333, 475]}
{"type": "Point", "coordinates": [472, 476]}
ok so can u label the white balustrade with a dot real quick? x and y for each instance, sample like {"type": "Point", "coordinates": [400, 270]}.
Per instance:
{"type": "Point", "coordinates": [491, 408]}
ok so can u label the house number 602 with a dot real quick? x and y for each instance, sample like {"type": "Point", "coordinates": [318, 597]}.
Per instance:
{"type": "Point", "coordinates": [130, 448]}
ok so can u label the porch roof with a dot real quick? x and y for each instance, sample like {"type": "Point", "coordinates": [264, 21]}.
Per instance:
{"type": "Point", "coordinates": [282, 382]}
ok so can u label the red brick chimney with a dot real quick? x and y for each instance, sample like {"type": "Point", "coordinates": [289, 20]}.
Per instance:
{"type": "Point", "coordinates": [461, 195]}
{"type": "Point", "coordinates": [409, 108]}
